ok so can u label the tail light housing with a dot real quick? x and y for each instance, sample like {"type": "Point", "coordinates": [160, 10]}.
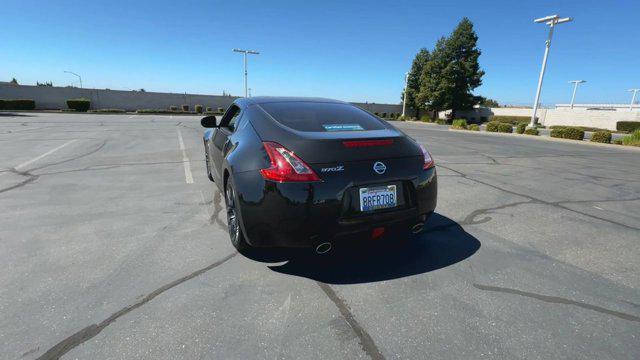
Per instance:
{"type": "Point", "coordinates": [428, 160]}
{"type": "Point", "coordinates": [286, 166]}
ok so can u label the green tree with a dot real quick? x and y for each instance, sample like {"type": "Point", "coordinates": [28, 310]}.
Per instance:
{"type": "Point", "coordinates": [14, 81]}
{"type": "Point", "coordinates": [453, 71]}
{"type": "Point", "coordinates": [413, 81]}
{"type": "Point", "coordinates": [483, 101]}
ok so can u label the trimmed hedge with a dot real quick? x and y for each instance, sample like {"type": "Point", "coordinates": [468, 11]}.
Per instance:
{"type": "Point", "coordinates": [220, 110]}
{"type": "Point", "coordinates": [496, 126]}
{"type": "Point", "coordinates": [628, 126]}
{"type": "Point", "coordinates": [513, 120]}
{"type": "Point", "coordinates": [534, 132]}
{"type": "Point", "coordinates": [199, 109]}
{"type": "Point", "coordinates": [520, 128]}
{"type": "Point", "coordinates": [173, 108]}
{"type": "Point", "coordinates": [18, 104]}
{"type": "Point", "coordinates": [459, 124]}
{"type": "Point", "coordinates": [185, 107]}
{"type": "Point", "coordinates": [474, 127]}
{"type": "Point", "coordinates": [81, 104]}
{"type": "Point", "coordinates": [583, 128]}
{"type": "Point", "coordinates": [601, 137]}
{"type": "Point", "coordinates": [209, 109]}
{"type": "Point", "coordinates": [568, 133]}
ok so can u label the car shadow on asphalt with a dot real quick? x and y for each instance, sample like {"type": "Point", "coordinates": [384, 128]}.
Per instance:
{"type": "Point", "coordinates": [443, 243]}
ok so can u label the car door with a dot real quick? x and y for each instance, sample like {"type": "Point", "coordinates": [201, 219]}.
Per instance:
{"type": "Point", "coordinates": [220, 141]}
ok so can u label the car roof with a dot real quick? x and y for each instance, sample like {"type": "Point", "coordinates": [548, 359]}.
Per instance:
{"type": "Point", "coordinates": [290, 99]}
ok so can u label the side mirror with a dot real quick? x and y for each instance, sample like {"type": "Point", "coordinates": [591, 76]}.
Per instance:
{"type": "Point", "coordinates": [208, 121]}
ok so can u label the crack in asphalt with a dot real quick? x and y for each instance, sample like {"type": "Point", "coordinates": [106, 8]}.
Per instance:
{"type": "Point", "coordinates": [366, 342]}
{"type": "Point", "coordinates": [30, 178]}
{"type": "Point", "coordinates": [558, 300]}
{"type": "Point", "coordinates": [33, 177]}
{"type": "Point", "coordinates": [92, 330]}
{"type": "Point", "coordinates": [533, 200]}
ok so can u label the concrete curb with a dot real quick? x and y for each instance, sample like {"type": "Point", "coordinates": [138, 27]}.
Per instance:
{"type": "Point", "coordinates": [548, 138]}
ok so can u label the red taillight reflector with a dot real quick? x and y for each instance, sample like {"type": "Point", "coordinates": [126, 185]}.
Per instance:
{"type": "Point", "coordinates": [377, 232]}
{"type": "Point", "coordinates": [286, 166]}
{"type": "Point", "coordinates": [428, 161]}
{"type": "Point", "coordinates": [367, 143]}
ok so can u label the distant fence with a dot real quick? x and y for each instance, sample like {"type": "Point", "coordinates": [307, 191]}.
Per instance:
{"type": "Point", "coordinates": [605, 119]}
{"type": "Point", "coordinates": [53, 97]}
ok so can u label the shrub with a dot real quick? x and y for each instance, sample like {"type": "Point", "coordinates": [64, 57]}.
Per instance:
{"type": "Point", "coordinates": [617, 141]}
{"type": "Point", "coordinates": [492, 126]}
{"type": "Point", "coordinates": [199, 109]}
{"type": "Point", "coordinates": [185, 107]}
{"type": "Point", "coordinates": [474, 127]}
{"type": "Point", "coordinates": [209, 109]}
{"type": "Point", "coordinates": [521, 127]}
{"type": "Point", "coordinates": [513, 120]}
{"type": "Point", "coordinates": [426, 118]}
{"type": "Point", "coordinates": [384, 114]}
{"type": "Point", "coordinates": [220, 110]}
{"type": "Point", "coordinates": [601, 137]}
{"type": "Point", "coordinates": [459, 124]}
{"type": "Point", "coordinates": [633, 139]}
{"type": "Point", "coordinates": [392, 115]}
{"type": "Point", "coordinates": [19, 104]}
{"type": "Point", "coordinates": [441, 121]}
{"type": "Point", "coordinates": [583, 128]}
{"type": "Point", "coordinates": [628, 126]}
{"type": "Point", "coordinates": [173, 108]}
{"type": "Point", "coordinates": [505, 128]}
{"type": "Point", "coordinates": [113, 111]}
{"type": "Point", "coordinates": [81, 104]}
{"type": "Point", "coordinates": [568, 133]}
{"type": "Point", "coordinates": [531, 132]}
{"type": "Point", "coordinates": [376, 113]}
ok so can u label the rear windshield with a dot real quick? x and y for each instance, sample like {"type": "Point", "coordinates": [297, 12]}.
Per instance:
{"type": "Point", "coordinates": [315, 116]}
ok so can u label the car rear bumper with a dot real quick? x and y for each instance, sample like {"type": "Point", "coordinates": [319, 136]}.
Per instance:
{"type": "Point", "coordinates": [305, 214]}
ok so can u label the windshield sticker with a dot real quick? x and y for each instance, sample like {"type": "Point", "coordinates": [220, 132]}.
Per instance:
{"type": "Point", "coordinates": [342, 127]}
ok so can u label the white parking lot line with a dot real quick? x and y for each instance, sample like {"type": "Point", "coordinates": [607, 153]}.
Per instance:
{"type": "Point", "coordinates": [28, 162]}
{"type": "Point", "coordinates": [188, 177]}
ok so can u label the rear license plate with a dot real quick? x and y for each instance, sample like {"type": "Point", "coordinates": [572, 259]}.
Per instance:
{"type": "Point", "coordinates": [376, 198]}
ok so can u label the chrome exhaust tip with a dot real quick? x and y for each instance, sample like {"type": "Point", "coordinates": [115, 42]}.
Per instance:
{"type": "Point", "coordinates": [417, 228]}
{"type": "Point", "coordinates": [323, 248]}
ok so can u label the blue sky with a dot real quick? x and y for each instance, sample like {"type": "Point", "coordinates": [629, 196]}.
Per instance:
{"type": "Point", "coordinates": [349, 50]}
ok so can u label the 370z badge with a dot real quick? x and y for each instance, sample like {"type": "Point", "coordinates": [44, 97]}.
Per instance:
{"type": "Point", "coordinates": [333, 169]}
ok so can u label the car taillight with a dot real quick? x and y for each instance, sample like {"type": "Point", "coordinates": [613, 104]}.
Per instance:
{"type": "Point", "coordinates": [428, 160]}
{"type": "Point", "coordinates": [285, 165]}
{"type": "Point", "coordinates": [367, 143]}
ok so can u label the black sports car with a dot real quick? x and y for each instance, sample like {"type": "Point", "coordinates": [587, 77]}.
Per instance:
{"type": "Point", "coordinates": [306, 172]}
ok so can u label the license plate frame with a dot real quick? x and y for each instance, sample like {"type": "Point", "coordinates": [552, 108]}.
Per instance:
{"type": "Point", "coordinates": [380, 197]}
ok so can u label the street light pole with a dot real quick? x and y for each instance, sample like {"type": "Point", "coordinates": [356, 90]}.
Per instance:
{"type": "Point", "coordinates": [245, 52]}
{"type": "Point", "coordinates": [404, 98]}
{"type": "Point", "coordinates": [575, 87]}
{"type": "Point", "coordinates": [79, 77]}
{"type": "Point", "coordinates": [633, 98]}
{"type": "Point", "coordinates": [552, 21]}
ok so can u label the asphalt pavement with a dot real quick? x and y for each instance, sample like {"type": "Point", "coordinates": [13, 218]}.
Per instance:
{"type": "Point", "coordinates": [113, 245]}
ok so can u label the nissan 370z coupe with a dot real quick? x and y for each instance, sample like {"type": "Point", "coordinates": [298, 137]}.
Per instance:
{"type": "Point", "coordinates": [300, 172]}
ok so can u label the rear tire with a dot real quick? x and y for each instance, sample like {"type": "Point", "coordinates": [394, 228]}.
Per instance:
{"type": "Point", "coordinates": [233, 221]}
